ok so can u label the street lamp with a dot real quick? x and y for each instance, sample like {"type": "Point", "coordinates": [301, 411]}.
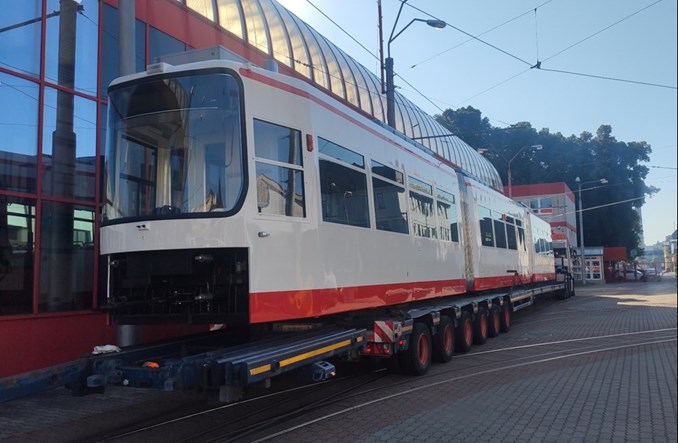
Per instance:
{"type": "Point", "coordinates": [390, 87]}
{"type": "Point", "coordinates": [581, 225]}
{"type": "Point", "coordinates": [535, 147]}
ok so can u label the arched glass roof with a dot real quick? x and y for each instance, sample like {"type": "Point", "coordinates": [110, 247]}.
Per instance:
{"type": "Point", "coordinates": [269, 27]}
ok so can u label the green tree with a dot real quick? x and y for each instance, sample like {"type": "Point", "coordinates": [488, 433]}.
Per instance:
{"type": "Point", "coordinates": [610, 211]}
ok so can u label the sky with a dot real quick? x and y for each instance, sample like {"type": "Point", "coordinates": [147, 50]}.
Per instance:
{"type": "Point", "coordinates": [619, 58]}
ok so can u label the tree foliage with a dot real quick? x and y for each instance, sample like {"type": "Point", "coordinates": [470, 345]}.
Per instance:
{"type": "Point", "coordinates": [610, 214]}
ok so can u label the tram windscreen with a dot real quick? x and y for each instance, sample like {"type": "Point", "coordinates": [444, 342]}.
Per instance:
{"type": "Point", "coordinates": [174, 148]}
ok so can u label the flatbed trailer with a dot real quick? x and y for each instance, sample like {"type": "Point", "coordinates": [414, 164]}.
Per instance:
{"type": "Point", "coordinates": [415, 334]}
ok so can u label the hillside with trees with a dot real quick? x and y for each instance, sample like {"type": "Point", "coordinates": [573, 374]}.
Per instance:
{"type": "Point", "coordinates": [609, 214]}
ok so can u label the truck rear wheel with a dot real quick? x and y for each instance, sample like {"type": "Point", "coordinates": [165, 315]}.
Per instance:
{"type": "Point", "coordinates": [506, 317]}
{"type": "Point", "coordinates": [443, 341]}
{"type": "Point", "coordinates": [480, 327]}
{"type": "Point", "coordinates": [494, 324]}
{"type": "Point", "coordinates": [417, 358]}
{"type": "Point", "coordinates": [465, 332]}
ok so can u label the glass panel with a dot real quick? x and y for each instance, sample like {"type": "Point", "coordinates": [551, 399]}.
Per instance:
{"type": "Point", "coordinates": [280, 190]}
{"type": "Point", "coordinates": [18, 134]}
{"type": "Point", "coordinates": [276, 142]}
{"type": "Point", "coordinates": [319, 69]}
{"type": "Point", "coordinates": [387, 172]}
{"type": "Point", "coordinates": [333, 70]}
{"type": "Point", "coordinates": [17, 228]}
{"type": "Point", "coordinates": [20, 36]}
{"type": "Point", "coordinates": [350, 82]}
{"type": "Point", "coordinates": [111, 58]}
{"type": "Point", "coordinates": [72, 44]}
{"type": "Point", "coordinates": [340, 153]}
{"type": "Point", "coordinates": [545, 202]}
{"type": "Point", "coordinates": [486, 232]}
{"type": "Point", "coordinates": [230, 17]}
{"type": "Point", "coordinates": [500, 233]}
{"type": "Point", "coordinates": [511, 236]}
{"type": "Point", "coordinates": [390, 206]}
{"type": "Point", "coordinates": [420, 186]}
{"type": "Point", "coordinates": [160, 44]}
{"type": "Point", "coordinates": [69, 145]}
{"type": "Point", "coordinates": [257, 34]}
{"type": "Point", "coordinates": [202, 7]}
{"type": "Point", "coordinates": [423, 218]}
{"type": "Point", "coordinates": [521, 240]}
{"type": "Point", "coordinates": [302, 62]}
{"type": "Point", "coordinates": [344, 195]}
{"type": "Point", "coordinates": [175, 146]}
{"type": "Point", "coordinates": [279, 40]}
{"type": "Point", "coordinates": [447, 216]}
{"type": "Point", "coordinates": [66, 257]}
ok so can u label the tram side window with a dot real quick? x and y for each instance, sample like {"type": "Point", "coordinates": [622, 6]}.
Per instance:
{"type": "Point", "coordinates": [343, 185]}
{"type": "Point", "coordinates": [486, 232]}
{"type": "Point", "coordinates": [521, 236]}
{"type": "Point", "coordinates": [280, 176]}
{"type": "Point", "coordinates": [421, 205]}
{"type": "Point", "coordinates": [511, 238]}
{"type": "Point", "coordinates": [447, 216]}
{"type": "Point", "coordinates": [390, 200]}
{"type": "Point", "coordinates": [499, 230]}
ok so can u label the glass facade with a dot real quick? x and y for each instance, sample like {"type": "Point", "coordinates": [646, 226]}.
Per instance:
{"type": "Point", "coordinates": [48, 155]}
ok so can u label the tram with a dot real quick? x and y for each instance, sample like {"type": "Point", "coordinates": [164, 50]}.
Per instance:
{"type": "Point", "coordinates": [238, 195]}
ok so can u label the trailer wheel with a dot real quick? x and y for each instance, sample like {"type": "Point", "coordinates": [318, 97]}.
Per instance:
{"type": "Point", "coordinates": [465, 332]}
{"type": "Point", "coordinates": [480, 327]}
{"type": "Point", "coordinates": [505, 317]}
{"type": "Point", "coordinates": [443, 341]}
{"type": "Point", "coordinates": [494, 324]}
{"type": "Point", "coordinates": [417, 358]}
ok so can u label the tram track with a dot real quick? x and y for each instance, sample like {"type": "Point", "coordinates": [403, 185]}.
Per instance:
{"type": "Point", "coordinates": [304, 407]}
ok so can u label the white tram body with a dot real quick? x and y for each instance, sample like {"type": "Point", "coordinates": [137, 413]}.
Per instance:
{"type": "Point", "coordinates": [237, 194]}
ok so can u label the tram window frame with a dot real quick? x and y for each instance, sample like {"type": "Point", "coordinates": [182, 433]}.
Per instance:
{"type": "Point", "coordinates": [343, 180]}
{"type": "Point", "coordinates": [385, 182]}
{"type": "Point", "coordinates": [270, 158]}
{"type": "Point", "coordinates": [486, 226]}
{"type": "Point", "coordinates": [420, 194]}
{"type": "Point", "coordinates": [499, 230]}
{"type": "Point", "coordinates": [446, 197]}
{"type": "Point", "coordinates": [511, 238]}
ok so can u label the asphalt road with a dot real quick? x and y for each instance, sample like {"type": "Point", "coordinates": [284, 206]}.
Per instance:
{"type": "Point", "coordinates": [600, 366]}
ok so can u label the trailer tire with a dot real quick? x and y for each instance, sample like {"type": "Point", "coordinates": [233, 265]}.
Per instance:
{"type": "Point", "coordinates": [464, 333]}
{"type": "Point", "coordinates": [443, 341]}
{"type": "Point", "coordinates": [494, 323]}
{"type": "Point", "coordinates": [417, 358]}
{"type": "Point", "coordinates": [506, 317]}
{"type": "Point", "coordinates": [480, 327]}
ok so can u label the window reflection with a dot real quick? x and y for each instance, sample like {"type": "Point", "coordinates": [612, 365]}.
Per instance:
{"type": "Point", "coordinates": [160, 44]}
{"type": "Point", "coordinates": [17, 228]}
{"type": "Point", "coordinates": [72, 44]}
{"type": "Point", "coordinates": [66, 257]}
{"type": "Point", "coordinates": [20, 36]}
{"type": "Point", "coordinates": [69, 145]}
{"type": "Point", "coordinates": [18, 134]}
{"type": "Point", "coordinates": [110, 67]}
{"type": "Point", "coordinates": [280, 189]}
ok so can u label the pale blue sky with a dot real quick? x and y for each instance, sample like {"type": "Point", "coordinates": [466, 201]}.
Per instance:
{"type": "Point", "coordinates": [621, 39]}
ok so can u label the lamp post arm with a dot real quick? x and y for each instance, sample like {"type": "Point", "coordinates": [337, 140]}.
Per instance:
{"type": "Point", "coordinates": [391, 37]}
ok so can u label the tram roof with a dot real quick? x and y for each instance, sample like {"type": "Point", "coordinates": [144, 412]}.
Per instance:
{"type": "Point", "coordinates": [274, 30]}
